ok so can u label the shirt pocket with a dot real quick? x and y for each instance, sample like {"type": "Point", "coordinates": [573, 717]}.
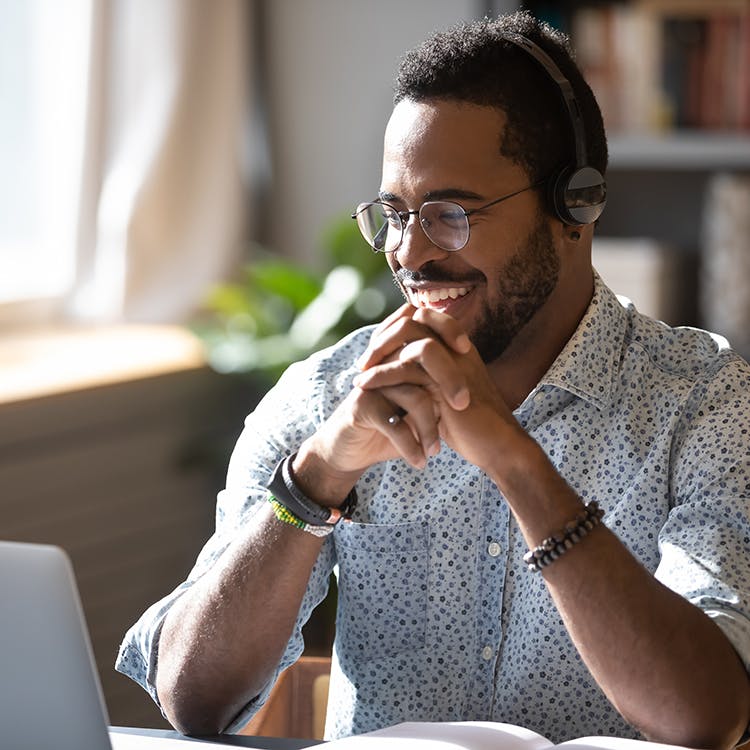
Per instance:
{"type": "Point", "coordinates": [382, 583]}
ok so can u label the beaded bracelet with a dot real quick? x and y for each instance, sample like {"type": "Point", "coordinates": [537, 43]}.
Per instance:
{"type": "Point", "coordinates": [558, 544]}
{"type": "Point", "coordinates": [286, 516]}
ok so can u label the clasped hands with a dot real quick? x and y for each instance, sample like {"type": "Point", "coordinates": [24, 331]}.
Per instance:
{"type": "Point", "coordinates": [422, 380]}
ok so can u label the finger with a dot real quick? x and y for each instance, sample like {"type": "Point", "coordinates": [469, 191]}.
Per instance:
{"type": "Point", "coordinates": [425, 363]}
{"type": "Point", "coordinates": [449, 330]}
{"type": "Point", "coordinates": [401, 313]}
{"type": "Point", "coordinates": [440, 367]}
{"type": "Point", "coordinates": [418, 410]}
{"type": "Point", "coordinates": [410, 324]}
{"type": "Point", "coordinates": [406, 416]}
{"type": "Point", "coordinates": [391, 373]}
{"type": "Point", "coordinates": [385, 341]}
{"type": "Point", "coordinates": [404, 311]}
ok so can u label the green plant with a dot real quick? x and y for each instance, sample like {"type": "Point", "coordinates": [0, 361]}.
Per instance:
{"type": "Point", "coordinates": [278, 311]}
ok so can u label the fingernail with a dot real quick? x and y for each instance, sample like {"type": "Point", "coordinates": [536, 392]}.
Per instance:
{"type": "Point", "coordinates": [461, 399]}
{"type": "Point", "coordinates": [463, 343]}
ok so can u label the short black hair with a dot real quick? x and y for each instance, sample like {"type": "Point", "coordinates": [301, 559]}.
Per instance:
{"type": "Point", "coordinates": [473, 62]}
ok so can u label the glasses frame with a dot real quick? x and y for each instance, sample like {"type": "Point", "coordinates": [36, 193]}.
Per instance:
{"type": "Point", "coordinates": [405, 215]}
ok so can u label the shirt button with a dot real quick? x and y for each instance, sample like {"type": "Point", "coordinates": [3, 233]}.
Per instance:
{"type": "Point", "coordinates": [493, 549]}
{"type": "Point", "coordinates": [487, 653]}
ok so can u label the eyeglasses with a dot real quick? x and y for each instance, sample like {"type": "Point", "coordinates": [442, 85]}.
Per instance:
{"type": "Point", "coordinates": [445, 223]}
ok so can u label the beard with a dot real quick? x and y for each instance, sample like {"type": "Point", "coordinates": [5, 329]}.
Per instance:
{"type": "Point", "coordinates": [525, 283]}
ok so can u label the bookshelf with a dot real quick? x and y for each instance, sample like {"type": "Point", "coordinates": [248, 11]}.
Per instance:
{"type": "Point", "coordinates": [673, 80]}
{"type": "Point", "coordinates": [680, 151]}
{"type": "Point", "coordinates": [657, 184]}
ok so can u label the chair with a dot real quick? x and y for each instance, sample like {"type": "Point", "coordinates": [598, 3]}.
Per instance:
{"type": "Point", "coordinates": [297, 704]}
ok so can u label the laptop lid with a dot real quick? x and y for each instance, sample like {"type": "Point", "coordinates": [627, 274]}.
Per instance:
{"type": "Point", "coordinates": [50, 696]}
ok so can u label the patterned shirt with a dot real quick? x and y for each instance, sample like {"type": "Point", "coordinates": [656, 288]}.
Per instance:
{"type": "Point", "coordinates": [438, 618]}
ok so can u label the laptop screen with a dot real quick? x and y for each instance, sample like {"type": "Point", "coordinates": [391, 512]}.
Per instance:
{"type": "Point", "coordinates": [50, 695]}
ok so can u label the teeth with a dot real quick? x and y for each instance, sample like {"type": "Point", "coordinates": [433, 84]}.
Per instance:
{"type": "Point", "coordinates": [429, 296]}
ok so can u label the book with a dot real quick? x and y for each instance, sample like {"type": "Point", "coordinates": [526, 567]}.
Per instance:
{"type": "Point", "coordinates": [665, 64]}
{"type": "Point", "coordinates": [477, 735]}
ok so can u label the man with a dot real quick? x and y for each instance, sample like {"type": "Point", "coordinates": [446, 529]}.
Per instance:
{"type": "Point", "coordinates": [477, 423]}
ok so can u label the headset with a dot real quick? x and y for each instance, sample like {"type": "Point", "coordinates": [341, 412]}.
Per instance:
{"type": "Point", "coordinates": [578, 192]}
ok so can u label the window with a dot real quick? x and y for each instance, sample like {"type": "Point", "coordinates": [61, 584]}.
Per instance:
{"type": "Point", "coordinates": [44, 56]}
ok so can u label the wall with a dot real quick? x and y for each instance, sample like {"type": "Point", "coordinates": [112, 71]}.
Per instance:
{"type": "Point", "coordinates": [330, 66]}
{"type": "Point", "coordinates": [124, 478]}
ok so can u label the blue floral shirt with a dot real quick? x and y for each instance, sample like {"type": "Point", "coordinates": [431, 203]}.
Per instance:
{"type": "Point", "coordinates": [438, 618]}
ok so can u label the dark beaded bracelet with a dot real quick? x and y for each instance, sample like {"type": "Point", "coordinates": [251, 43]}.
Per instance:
{"type": "Point", "coordinates": [556, 545]}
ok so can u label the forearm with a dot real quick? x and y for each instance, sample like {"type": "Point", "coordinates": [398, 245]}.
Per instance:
{"type": "Point", "coordinates": [222, 641]}
{"type": "Point", "coordinates": [661, 661]}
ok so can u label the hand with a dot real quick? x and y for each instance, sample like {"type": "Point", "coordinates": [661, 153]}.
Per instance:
{"type": "Point", "coordinates": [398, 420]}
{"type": "Point", "coordinates": [404, 330]}
{"type": "Point", "coordinates": [429, 350]}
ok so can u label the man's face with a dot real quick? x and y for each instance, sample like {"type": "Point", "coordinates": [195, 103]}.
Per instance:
{"type": "Point", "coordinates": [509, 267]}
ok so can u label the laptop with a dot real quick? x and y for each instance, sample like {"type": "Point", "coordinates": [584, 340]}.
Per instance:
{"type": "Point", "coordinates": [50, 695]}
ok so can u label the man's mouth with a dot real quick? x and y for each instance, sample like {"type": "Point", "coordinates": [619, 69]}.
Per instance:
{"type": "Point", "coordinates": [433, 297]}
{"type": "Point", "coordinates": [437, 290]}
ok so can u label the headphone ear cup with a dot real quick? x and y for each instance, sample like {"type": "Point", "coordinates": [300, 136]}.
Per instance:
{"type": "Point", "coordinates": [578, 196]}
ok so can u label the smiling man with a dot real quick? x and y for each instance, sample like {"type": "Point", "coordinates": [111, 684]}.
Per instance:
{"type": "Point", "coordinates": [535, 498]}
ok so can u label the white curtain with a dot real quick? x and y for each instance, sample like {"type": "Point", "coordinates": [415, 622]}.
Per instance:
{"type": "Point", "coordinates": [164, 205]}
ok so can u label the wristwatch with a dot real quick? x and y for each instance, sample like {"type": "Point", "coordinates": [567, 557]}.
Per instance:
{"type": "Point", "coordinates": [286, 492]}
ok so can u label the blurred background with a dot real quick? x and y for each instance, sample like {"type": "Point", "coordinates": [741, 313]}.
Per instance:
{"type": "Point", "coordinates": [176, 188]}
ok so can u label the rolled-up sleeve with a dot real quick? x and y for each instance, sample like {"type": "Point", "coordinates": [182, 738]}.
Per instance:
{"type": "Point", "coordinates": [705, 544]}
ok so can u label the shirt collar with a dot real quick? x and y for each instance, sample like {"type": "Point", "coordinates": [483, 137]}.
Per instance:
{"type": "Point", "coordinates": [589, 363]}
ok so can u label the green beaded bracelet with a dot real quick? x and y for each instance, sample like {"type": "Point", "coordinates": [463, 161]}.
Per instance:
{"type": "Point", "coordinates": [284, 515]}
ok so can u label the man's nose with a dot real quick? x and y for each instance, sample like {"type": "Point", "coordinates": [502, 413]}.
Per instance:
{"type": "Point", "coordinates": [416, 247]}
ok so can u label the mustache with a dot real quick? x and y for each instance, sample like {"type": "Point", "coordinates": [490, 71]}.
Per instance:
{"type": "Point", "coordinates": [435, 274]}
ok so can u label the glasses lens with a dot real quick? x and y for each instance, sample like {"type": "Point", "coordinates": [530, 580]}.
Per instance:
{"type": "Point", "coordinates": [445, 223]}
{"type": "Point", "coordinates": [380, 225]}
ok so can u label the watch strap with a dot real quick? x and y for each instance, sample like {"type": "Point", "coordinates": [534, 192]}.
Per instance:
{"type": "Point", "coordinates": [286, 492]}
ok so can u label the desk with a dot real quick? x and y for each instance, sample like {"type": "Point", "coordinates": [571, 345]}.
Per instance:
{"type": "Point", "coordinates": [230, 740]}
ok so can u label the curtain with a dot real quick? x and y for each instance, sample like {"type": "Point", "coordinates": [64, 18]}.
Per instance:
{"type": "Point", "coordinates": [163, 207]}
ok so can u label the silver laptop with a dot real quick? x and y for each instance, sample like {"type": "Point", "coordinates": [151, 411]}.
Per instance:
{"type": "Point", "coordinates": [50, 696]}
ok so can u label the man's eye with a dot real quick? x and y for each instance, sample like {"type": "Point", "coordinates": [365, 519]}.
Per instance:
{"type": "Point", "coordinates": [453, 217]}
{"type": "Point", "coordinates": [391, 217]}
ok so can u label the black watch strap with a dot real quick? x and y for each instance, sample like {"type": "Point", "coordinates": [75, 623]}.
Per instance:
{"type": "Point", "coordinates": [286, 492]}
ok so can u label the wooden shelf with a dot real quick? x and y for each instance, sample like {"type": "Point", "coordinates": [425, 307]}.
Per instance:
{"type": "Point", "coordinates": [690, 150]}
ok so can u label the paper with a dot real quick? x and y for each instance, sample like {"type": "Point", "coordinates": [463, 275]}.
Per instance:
{"type": "Point", "coordinates": [477, 735]}
{"type": "Point", "coordinates": [459, 735]}
{"type": "Point", "coordinates": [468, 735]}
